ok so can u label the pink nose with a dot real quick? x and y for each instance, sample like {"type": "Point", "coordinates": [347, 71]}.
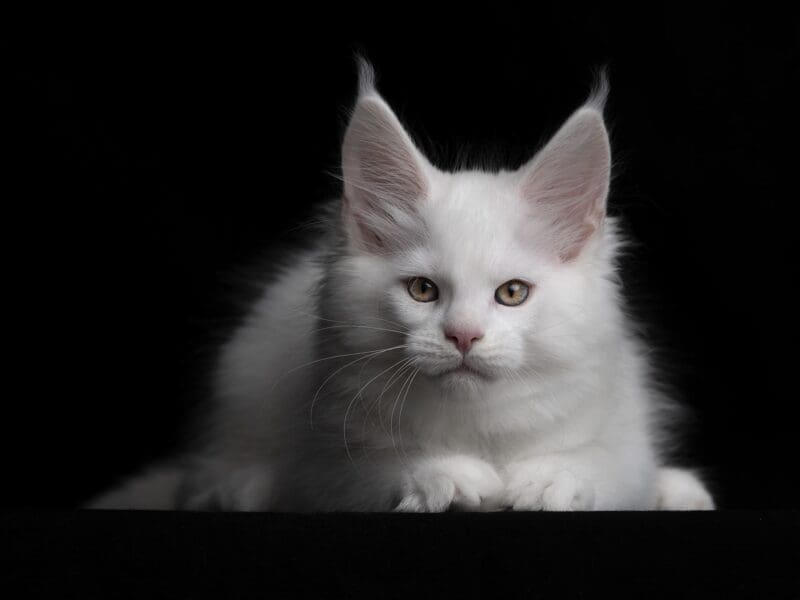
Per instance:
{"type": "Point", "coordinates": [463, 339]}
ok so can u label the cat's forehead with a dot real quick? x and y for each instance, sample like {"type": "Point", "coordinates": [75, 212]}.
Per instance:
{"type": "Point", "coordinates": [471, 202]}
{"type": "Point", "coordinates": [476, 226]}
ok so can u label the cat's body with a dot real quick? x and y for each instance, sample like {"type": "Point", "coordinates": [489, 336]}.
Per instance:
{"type": "Point", "coordinates": [394, 366]}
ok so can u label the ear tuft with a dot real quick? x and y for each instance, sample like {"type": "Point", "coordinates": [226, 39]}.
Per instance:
{"type": "Point", "coordinates": [599, 94]}
{"type": "Point", "coordinates": [366, 77]}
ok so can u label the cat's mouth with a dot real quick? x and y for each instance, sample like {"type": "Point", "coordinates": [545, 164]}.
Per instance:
{"type": "Point", "coordinates": [465, 370]}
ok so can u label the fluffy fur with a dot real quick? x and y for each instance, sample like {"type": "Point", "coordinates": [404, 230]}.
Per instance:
{"type": "Point", "coordinates": [342, 392]}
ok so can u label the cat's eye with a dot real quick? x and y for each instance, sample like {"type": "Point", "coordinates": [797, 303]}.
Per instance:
{"type": "Point", "coordinates": [512, 293]}
{"type": "Point", "coordinates": [422, 289]}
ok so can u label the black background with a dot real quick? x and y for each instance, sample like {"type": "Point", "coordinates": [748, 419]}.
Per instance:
{"type": "Point", "coordinates": [148, 170]}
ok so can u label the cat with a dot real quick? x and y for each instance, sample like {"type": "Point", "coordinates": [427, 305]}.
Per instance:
{"type": "Point", "coordinates": [452, 341]}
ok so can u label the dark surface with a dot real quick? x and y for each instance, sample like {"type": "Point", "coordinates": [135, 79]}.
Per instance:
{"type": "Point", "coordinates": [146, 169]}
{"type": "Point", "coordinates": [507, 555]}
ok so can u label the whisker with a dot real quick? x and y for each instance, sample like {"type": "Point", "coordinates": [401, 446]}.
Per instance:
{"type": "Point", "coordinates": [570, 319]}
{"type": "Point", "coordinates": [540, 378]}
{"type": "Point", "coordinates": [400, 414]}
{"type": "Point", "coordinates": [320, 318]}
{"type": "Point", "coordinates": [353, 400]}
{"type": "Point", "coordinates": [313, 362]}
{"type": "Point", "coordinates": [328, 378]}
{"type": "Point", "coordinates": [513, 374]}
{"type": "Point", "coordinates": [403, 366]}
{"type": "Point", "coordinates": [389, 384]}
{"type": "Point", "coordinates": [358, 327]}
{"type": "Point", "coordinates": [405, 371]}
{"type": "Point", "coordinates": [391, 415]}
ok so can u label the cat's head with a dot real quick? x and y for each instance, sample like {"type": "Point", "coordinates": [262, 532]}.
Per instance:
{"type": "Point", "coordinates": [482, 276]}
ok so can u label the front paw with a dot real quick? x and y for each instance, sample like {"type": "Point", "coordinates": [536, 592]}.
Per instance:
{"type": "Point", "coordinates": [459, 482]}
{"type": "Point", "coordinates": [547, 485]}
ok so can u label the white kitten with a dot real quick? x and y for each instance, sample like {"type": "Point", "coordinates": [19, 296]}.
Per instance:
{"type": "Point", "coordinates": [454, 340]}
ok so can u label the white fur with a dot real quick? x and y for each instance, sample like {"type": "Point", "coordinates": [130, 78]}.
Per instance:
{"type": "Point", "coordinates": [337, 393]}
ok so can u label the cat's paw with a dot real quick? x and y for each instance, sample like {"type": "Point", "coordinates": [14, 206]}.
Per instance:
{"type": "Point", "coordinates": [459, 482]}
{"type": "Point", "coordinates": [547, 485]}
{"type": "Point", "coordinates": [680, 490]}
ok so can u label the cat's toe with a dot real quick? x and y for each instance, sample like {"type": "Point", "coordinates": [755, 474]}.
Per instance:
{"type": "Point", "coordinates": [538, 488]}
{"type": "Point", "coordinates": [525, 487]}
{"type": "Point", "coordinates": [566, 492]}
{"type": "Point", "coordinates": [478, 488]}
{"type": "Point", "coordinates": [462, 483]}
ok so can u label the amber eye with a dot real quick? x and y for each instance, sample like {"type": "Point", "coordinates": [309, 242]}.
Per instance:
{"type": "Point", "coordinates": [512, 293]}
{"type": "Point", "coordinates": [422, 289]}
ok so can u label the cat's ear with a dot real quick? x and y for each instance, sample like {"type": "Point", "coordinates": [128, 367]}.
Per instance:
{"type": "Point", "coordinates": [567, 181]}
{"type": "Point", "coordinates": [384, 173]}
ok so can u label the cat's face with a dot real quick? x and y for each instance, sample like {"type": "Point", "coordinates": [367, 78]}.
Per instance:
{"type": "Point", "coordinates": [482, 277]}
{"type": "Point", "coordinates": [486, 280]}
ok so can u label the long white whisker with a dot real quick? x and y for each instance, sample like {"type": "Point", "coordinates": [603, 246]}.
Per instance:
{"type": "Point", "coordinates": [357, 327]}
{"type": "Point", "coordinates": [558, 324]}
{"type": "Point", "coordinates": [389, 384]}
{"type": "Point", "coordinates": [400, 414]}
{"type": "Point", "coordinates": [391, 415]}
{"type": "Point", "coordinates": [319, 318]}
{"type": "Point", "coordinates": [400, 368]}
{"type": "Point", "coordinates": [538, 376]}
{"type": "Point", "coordinates": [353, 400]}
{"type": "Point", "coordinates": [313, 362]}
{"type": "Point", "coordinates": [396, 376]}
{"type": "Point", "coordinates": [328, 378]}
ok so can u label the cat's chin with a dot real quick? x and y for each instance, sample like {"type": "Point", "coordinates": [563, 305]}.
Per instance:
{"type": "Point", "coordinates": [463, 376]}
